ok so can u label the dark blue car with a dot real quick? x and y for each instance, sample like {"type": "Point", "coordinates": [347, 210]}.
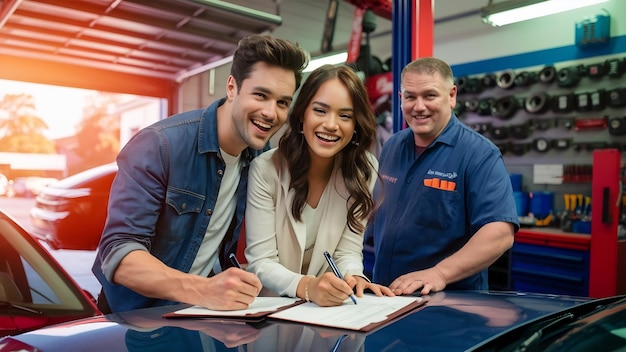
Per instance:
{"type": "Point", "coordinates": [449, 321]}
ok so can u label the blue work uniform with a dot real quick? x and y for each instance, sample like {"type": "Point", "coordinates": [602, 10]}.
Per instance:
{"type": "Point", "coordinates": [418, 223]}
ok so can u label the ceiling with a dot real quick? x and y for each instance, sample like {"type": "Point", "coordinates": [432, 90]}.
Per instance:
{"type": "Point", "coordinates": [146, 46]}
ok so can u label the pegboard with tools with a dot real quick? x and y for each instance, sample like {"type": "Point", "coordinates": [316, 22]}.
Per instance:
{"type": "Point", "coordinates": [564, 110]}
{"type": "Point", "coordinates": [556, 114]}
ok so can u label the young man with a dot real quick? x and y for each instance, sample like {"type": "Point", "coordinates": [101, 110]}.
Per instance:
{"type": "Point", "coordinates": [178, 200]}
{"type": "Point", "coordinates": [448, 210]}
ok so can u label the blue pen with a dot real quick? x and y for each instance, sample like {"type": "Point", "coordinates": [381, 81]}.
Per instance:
{"type": "Point", "coordinates": [333, 266]}
{"type": "Point", "coordinates": [338, 343]}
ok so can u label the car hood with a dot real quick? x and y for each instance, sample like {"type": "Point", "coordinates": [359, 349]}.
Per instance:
{"type": "Point", "coordinates": [449, 321]}
{"type": "Point", "coordinates": [17, 324]}
{"type": "Point", "coordinates": [597, 325]}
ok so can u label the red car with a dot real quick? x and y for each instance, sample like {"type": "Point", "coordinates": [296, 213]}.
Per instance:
{"type": "Point", "coordinates": [70, 213]}
{"type": "Point", "coordinates": [35, 291]}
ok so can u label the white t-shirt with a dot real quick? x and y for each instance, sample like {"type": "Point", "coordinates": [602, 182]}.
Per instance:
{"type": "Point", "coordinates": [311, 218]}
{"type": "Point", "coordinates": [206, 259]}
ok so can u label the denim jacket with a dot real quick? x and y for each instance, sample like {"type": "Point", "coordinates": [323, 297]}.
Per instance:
{"type": "Point", "coordinates": [162, 199]}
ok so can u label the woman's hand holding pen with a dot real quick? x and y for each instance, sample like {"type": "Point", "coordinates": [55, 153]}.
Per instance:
{"type": "Point", "coordinates": [328, 290]}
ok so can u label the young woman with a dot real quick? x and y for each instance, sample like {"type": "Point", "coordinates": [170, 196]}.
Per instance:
{"type": "Point", "coordinates": [314, 193]}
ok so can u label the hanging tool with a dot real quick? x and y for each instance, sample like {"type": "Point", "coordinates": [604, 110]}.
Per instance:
{"type": "Point", "coordinates": [570, 214]}
{"type": "Point", "coordinates": [545, 221]}
{"type": "Point", "coordinates": [578, 210]}
{"type": "Point", "coordinates": [566, 216]}
{"type": "Point", "coordinates": [586, 216]}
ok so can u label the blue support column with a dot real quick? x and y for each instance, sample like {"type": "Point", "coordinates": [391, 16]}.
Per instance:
{"type": "Point", "coordinates": [412, 37]}
{"type": "Point", "coordinates": [401, 48]}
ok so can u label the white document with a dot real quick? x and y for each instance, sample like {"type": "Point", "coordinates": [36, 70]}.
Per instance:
{"type": "Point", "coordinates": [369, 309]}
{"type": "Point", "coordinates": [548, 174]}
{"type": "Point", "coordinates": [260, 304]}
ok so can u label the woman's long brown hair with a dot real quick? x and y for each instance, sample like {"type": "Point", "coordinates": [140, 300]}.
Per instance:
{"type": "Point", "coordinates": [355, 164]}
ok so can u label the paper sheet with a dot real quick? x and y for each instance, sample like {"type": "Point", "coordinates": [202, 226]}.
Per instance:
{"type": "Point", "coordinates": [369, 309]}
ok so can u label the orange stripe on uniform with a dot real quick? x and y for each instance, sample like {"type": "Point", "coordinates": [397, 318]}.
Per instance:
{"type": "Point", "coordinates": [428, 182]}
{"type": "Point", "coordinates": [451, 186]}
{"type": "Point", "coordinates": [435, 183]}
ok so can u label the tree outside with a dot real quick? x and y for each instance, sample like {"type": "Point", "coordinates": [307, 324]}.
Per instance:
{"type": "Point", "coordinates": [22, 133]}
{"type": "Point", "coordinates": [96, 141]}
{"type": "Point", "coordinates": [21, 130]}
{"type": "Point", "coordinates": [98, 135]}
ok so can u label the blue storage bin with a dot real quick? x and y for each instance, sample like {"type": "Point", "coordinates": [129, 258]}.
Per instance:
{"type": "Point", "coordinates": [579, 226]}
{"type": "Point", "coordinates": [553, 270]}
{"type": "Point", "coordinates": [521, 202]}
{"type": "Point", "coordinates": [541, 203]}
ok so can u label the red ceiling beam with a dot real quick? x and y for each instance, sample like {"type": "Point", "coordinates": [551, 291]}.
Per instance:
{"type": "Point", "coordinates": [381, 8]}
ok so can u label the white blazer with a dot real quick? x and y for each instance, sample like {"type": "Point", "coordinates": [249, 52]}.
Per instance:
{"type": "Point", "coordinates": [275, 241]}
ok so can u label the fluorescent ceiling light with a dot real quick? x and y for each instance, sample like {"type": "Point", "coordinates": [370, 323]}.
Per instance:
{"type": "Point", "coordinates": [507, 12]}
{"type": "Point", "coordinates": [331, 60]}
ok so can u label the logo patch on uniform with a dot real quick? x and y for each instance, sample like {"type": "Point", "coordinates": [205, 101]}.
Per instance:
{"type": "Point", "coordinates": [449, 175]}
{"type": "Point", "coordinates": [389, 179]}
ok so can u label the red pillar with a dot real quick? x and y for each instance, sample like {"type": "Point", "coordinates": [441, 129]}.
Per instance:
{"type": "Point", "coordinates": [605, 247]}
{"type": "Point", "coordinates": [422, 28]}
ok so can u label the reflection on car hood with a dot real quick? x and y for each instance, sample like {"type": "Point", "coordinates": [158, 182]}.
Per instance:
{"type": "Point", "coordinates": [598, 325]}
{"type": "Point", "coordinates": [449, 321]}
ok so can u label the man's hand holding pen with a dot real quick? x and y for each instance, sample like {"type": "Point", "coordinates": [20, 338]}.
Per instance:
{"type": "Point", "coordinates": [231, 289]}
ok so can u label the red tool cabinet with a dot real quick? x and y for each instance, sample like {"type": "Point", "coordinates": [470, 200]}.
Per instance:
{"type": "Point", "coordinates": [552, 261]}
